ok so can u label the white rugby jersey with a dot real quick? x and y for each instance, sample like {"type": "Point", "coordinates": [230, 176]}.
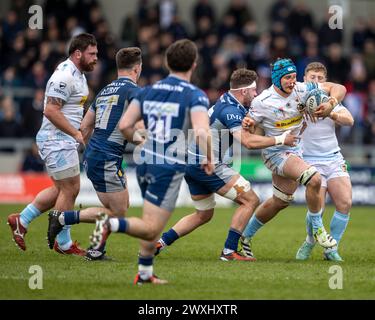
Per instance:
{"type": "Point", "coordinates": [70, 85]}
{"type": "Point", "coordinates": [319, 139]}
{"type": "Point", "coordinates": [276, 114]}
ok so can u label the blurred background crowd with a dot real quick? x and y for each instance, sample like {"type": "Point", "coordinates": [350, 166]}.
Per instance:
{"type": "Point", "coordinates": [226, 42]}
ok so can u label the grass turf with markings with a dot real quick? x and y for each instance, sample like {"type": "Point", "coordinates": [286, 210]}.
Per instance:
{"type": "Point", "coordinates": [192, 264]}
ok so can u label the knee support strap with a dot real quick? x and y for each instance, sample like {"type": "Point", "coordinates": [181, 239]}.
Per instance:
{"type": "Point", "coordinates": [205, 204]}
{"type": "Point", "coordinates": [282, 195]}
{"type": "Point", "coordinates": [306, 175]}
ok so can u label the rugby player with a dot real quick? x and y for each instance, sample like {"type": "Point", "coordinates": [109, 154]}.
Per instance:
{"type": "Point", "coordinates": [275, 110]}
{"type": "Point", "coordinates": [226, 124]}
{"type": "Point", "coordinates": [321, 149]}
{"type": "Point", "coordinates": [58, 140]}
{"type": "Point", "coordinates": [104, 154]}
{"type": "Point", "coordinates": [166, 108]}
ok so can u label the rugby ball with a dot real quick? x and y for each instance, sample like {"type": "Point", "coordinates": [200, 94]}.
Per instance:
{"type": "Point", "coordinates": [314, 99]}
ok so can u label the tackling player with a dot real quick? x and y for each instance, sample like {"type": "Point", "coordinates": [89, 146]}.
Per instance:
{"type": "Point", "coordinates": [226, 123]}
{"type": "Point", "coordinates": [58, 139]}
{"type": "Point", "coordinates": [321, 149]}
{"type": "Point", "coordinates": [166, 109]}
{"type": "Point", "coordinates": [276, 110]}
{"type": "Point", "coordinates": [104, 154]}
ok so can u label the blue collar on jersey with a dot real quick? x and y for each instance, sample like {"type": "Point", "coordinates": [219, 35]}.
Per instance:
{"type": "Point", "coordinates": [125, 78]}
{"type": "Point", "coordinates": [172, 75]}
{"type": "Point", "coordinates": [281, 68]}
{"type": "Point", "coordinates": [237, 102]}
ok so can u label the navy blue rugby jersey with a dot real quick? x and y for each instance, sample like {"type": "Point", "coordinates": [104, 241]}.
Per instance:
{"type": "Point", "coordinates": [165, 108]}
{"type": "Point", "coordinates": [109, 106]}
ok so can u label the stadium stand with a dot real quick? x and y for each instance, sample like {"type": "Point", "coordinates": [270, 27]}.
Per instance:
{"type": "Point", "coordinates": [226, 41]}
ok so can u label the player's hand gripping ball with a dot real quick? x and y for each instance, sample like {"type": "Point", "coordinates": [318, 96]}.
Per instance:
{"type": "Point", "coordinates": [314, 99]}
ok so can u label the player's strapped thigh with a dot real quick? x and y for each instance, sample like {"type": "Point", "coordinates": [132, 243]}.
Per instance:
{"type": "Point", "coordinates": [307, 175]}
{"type": "Point", "coordinates": [283, 188]}
{"type": "Point", "coordinates": [237, 186]}
{"type": "Point", "coordinates": [106, 175]}
{"type": "Point", "coordinates": [160, 184]}
{"type": "Point", "coordinates": [206, 203]}
{"type": "Point", "coordinates": [61, 158]}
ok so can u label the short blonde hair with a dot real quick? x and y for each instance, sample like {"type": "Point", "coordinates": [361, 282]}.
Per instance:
{"type": "Point", "coordinates": [316, 66]}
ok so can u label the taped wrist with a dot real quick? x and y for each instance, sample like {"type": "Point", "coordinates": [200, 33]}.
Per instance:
{"type": "Point", "coordinates": [279, 140]}
{"type": "Point", "coordinates": [333, 101]}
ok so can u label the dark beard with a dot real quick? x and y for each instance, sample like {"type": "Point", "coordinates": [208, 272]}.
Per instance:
{"type": "Point", "coordinates": [86, 67]}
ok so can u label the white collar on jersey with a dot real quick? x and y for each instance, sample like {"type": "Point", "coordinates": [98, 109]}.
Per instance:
{"type": "Point", "coordinates": [74, 66]}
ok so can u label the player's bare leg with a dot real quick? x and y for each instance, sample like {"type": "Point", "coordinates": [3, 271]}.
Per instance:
{"type": "Point", "coordinates": [272, 206]}
{"type": "Point", "coordinates": [46, 199]}
{"type": "Point", "coordinates": [239, 190]}
{"type": "Point", "coordinates": [147, 228]}
{"type": "Point", "coordinates": [68, 192]}
{"type": "Point", "coordinates": [116, 202]}
{"type": "Point", "coordinates": [294, 168]}
{"type": "Point", "coordinates": [304, 252]}
{"type": "Point", "coordinates": [19, 222]}
{"type": "Point", "coordinates": [307, 175]}
{"type": "Point", "coordinates": [248, 201]}
{"type": "Point", "coordinates": [190, 222]}
{"type": "Point", "coordinates": [340, 190]}
{"type": "Point", "coordinates": [194, 220]}
{"type": "Point", "coordinates": [267, 210]}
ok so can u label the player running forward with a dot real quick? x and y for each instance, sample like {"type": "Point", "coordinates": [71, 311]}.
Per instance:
{"type": "Point", "coordinates": [321, 149]}
{"type": "Point", "coordinates": [166, 108]}
{"type": "Point", "coordinates": [58, 139]}
{"type": "Point", "coordinates": [276, 110]}
{"type": "Point", "coordinates": [226, 123]}
{"type": "Point", "coordinates": [104, 153]}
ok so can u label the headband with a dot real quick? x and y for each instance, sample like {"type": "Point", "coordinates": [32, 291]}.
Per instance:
{"type": "Point", "coordinates": [250, 86]}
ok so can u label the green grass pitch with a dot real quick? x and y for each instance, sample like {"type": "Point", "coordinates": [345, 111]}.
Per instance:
{"type": "Point", "coordinates": [192, 264]}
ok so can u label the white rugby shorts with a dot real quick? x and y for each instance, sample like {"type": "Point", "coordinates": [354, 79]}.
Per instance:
{"type": "Point", "coordinates": [60, 158]}
{"type": "Point", "coordinates": [275, 160]}
{"type": "Point", "coordinates": [329, 168]}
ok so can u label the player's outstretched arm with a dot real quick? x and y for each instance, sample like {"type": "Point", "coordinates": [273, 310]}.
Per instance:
{"type": "Point", "coordinates": [127, 124]}
{"type": "Point", "coordinates": [254, 141]}
{"type": "Point", "coordinates": [53, 113]}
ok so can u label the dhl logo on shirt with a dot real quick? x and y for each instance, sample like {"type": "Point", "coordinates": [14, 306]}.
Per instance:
{"type": "Point", "coordinates": [288, 122]}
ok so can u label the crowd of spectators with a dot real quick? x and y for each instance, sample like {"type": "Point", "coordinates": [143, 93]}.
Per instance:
{"type": "Point", "coordinates": [28, 57]}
